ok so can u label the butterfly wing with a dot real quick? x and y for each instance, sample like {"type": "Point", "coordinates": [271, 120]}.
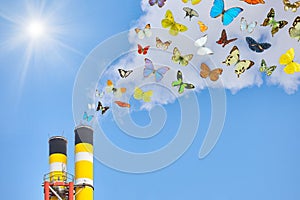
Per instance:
{"type": "Point", "coordinates": [253, 2]}
{"type": "Point", "coordinates": [122, 104]}
{"type": "Point", "coordinates": [169, 20]}
{"type": "Point", "coordinates": [202, 26]}
{"type": "Point", "coordinates": [194, 2]}
{"type": "Point", "coordinates": [202, 51]}
{"type": "Point", "coordinates": [184, 61]}
{"type": "Point", "coordinates": [161, 3]}
{"type": "Point", "coordinates": [205, 70]}
{"type": "Point", "coordinates": [251, 26]}
{"type": "Point", "coordinates": [152, 2]}
{"type": "Point", "coordinates": [124, 73]}
{"type": "Point", "coordinates": [292, 67]}
{"type": "Point", "coordinates": [217, 8]}
{"type": "Point", "coordinates": [270, 18]}
{"type": "Point", "coordinates": [176, 55]}
{"type": "Point", "coordinates": [176, 28]}
{"type": "Point", "coordinates": [149, 68]}
{"type": "Point", "coordinates": [138, 93]}
{"type": "Point", "coordinates": [276, 25]}
{"type": "Point", "coordinates": [179, 79]}
{"type": "Point", "coordinates": [233, 57]}
{"type": "Point", "coordinates": [294, 31]}
{"type": "Point", "coordinates": [223, 37]}
{"type": "Point", "coordinates": [147, 95]}
{"type": "Point", "coordinates": [201, 41]}
{"type": "Point", "coordinates": [243, 24]}
{"type": "Point", "coordinates": [287, 57]}
{"type": "Point", "coordinates": [185, 86]}
{"type": "Point", "coordinates": [263, 66]}
{"type": "Point", "coordinates": [242, 66]}
{"type": "Point", "coordinates": [215, 73]}
{"type": "Point", "coordinates": [257, 47]}
{"type": "Point", "coordinates": [147, 30]}
{"type": "Point", "coordinates": [270, 70]}
{"type": "Point", "coordinates": [230, 14]}
{"type": "Point", "coordinates": [159, 73]}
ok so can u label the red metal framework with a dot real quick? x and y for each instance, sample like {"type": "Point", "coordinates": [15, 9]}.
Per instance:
{"type": "Point", "coordinates": [62, 190]}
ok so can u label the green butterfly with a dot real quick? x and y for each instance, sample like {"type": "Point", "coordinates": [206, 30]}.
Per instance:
{"type": "Point", "coordinates": [181, 84]}
{"type": "Point", "coordinates": [264, 68]}
{"type": "Point", "coordinates": [178, 58]}
{"type": "Point", "coordinates": [294, 31]}
{"type": "Point", "coordinates": [270, 21]}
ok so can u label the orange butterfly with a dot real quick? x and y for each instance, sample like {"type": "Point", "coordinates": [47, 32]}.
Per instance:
{"type": "Point", "coordinates": [202, 26]}
{"type": "Point", "coordinates": [122, 104]}
{"type": "Point", "coordinates": [253, 2]}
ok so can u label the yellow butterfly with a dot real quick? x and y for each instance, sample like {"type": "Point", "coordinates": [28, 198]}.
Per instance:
{"type": "Point", "coordinates": [202, 26]}
{"type": "Point", "coordinates": [169, 22]}
{"type": "Point", "coordinates": [288, 60]}
{"type": "Point", "coordinates": [139, 94]}
{"type": "Point", "coordinates": [194, 2]}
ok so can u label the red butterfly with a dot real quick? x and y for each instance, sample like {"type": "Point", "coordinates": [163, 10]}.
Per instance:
{"type": "Point", "coordinates": [142, 50]}
{"type": "Point", "coordinates": [223, 39]}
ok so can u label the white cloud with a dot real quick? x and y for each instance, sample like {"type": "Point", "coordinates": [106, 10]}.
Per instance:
{"type": "Point", "coordinates": [281, 42]}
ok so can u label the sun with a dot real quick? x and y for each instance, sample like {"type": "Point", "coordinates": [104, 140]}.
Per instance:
{"type": "Point", "coordinates": [36, 29]}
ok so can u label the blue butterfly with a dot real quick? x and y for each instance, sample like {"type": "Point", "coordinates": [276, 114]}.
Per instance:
{"type": "Point", "coordinates": [149, 69]}
{"type": "Point", "coordinates": [227, 15]}
{"type": "Point", "coordinates": [257, 47]}
{"type": "Point", "coordinates": [87, 117]}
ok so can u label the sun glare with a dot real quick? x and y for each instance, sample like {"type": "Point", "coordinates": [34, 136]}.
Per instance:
{"type": "Point", "coordinates": [36, 29]}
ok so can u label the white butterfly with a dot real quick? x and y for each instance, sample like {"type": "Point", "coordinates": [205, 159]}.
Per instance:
{"type": "Point", "coordinates": [98, 94]}
{"type": "Point", "coordinates": [142, 33]}
{"type": "Point", "coordinates": [91, 106]}
{"type": "Point", "coordinates": [245, 26]}
{"type": "Point", "coordinates": [202, 51]}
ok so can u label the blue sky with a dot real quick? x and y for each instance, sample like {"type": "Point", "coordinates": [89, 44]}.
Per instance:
{"type": "Point", "coordinates": [256, 156]}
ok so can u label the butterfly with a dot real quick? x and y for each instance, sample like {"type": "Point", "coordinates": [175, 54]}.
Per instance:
{"type": "Point", "coordinates": [202, 26]}
{"type": "Point", "coordinates": [194, 2]}
{"type": "Point", "coordinates": [142, 33]}
{"type": "Point", "coordinates": [292, 6]}
{"type": "Point", "coordinates": [99, 94]}
{"type": "Point", "coordinates": [149, 69]}
{"type": "Point", "coordinates": [253, 2]}
{"type": "Point", "coordinates": [248, 27]}
{"type": "Point", "coordinates": [139, 94]}
{"type": "Point", "coordinates": [270, 21]}
{"type": "Point", "coordinates": [264, 68]}
{"type": "Point", "coordinates": [169, 22]}
{"type": "Point", "coordinates": [227, 15]}
{"type": "Point", "coordinates": [181, 84]}
{"type": "Point", "coordinates": [91, 106]}
{"type": "Point", "coordinates": [142, 50]}
{"type": "Point", "coordinates": [160, 3]}
{"type": "Point", "coordinates": [178, 58]}
{"type": "Point", "coordinates": [223, 39]}
{"type": "Point", "coordinates": [240, 65]}
{"type": "Point", "coordinates": [162, 45]}
{"type": "Point", "coordinates": [202, 49]}
{"type": "Point", "coordinates": [102, 108]}
{"type": "Point", "coordinates": [207, 72]}
{"type": "Point", "coordinates": [116, 91]}
{"type": "Point", "coordinates": [122, 104]}
{"type": "Point", "coordinates": [257, 47]}
{"type": "Point", "coordinates": [294, 31]}
{"type": "Point", "coordinates": [124, 73]}
{"type": "Point", "coordinates": [287, 59]}
{"type": "Point", "coordinates": [189, 12]}
{"type": "Point", "coordinates": [87, 117]}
